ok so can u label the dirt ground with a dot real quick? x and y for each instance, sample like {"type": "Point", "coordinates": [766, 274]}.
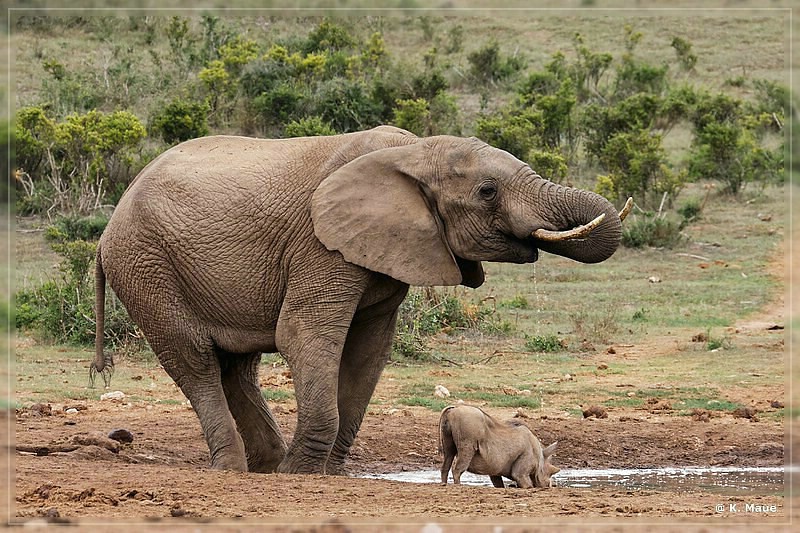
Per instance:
{"type": "Point", "coordinates": [161, 478]}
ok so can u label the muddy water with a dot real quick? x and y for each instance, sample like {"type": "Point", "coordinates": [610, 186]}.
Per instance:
{"type": "Point", "coordinates": [723, 480]}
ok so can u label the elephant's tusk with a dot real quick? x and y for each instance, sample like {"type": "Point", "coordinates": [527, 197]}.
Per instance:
{"type": "Point", "coordinates": [574, 233]}
{"type": "Point", "coordinates": [626, 209]}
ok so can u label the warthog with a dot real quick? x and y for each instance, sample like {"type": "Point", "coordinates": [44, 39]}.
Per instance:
{"type": "Point", "coordinates": [482, 445]}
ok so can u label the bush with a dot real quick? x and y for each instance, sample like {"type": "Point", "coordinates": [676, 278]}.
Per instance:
{"type": "Point", "coordinates": [488, 66]}
{"type": "Point", "coordinates": [544, 343]}
{"type": "Point", "coordinates": [550, 165]}
{"type": "Point", "coordinates": [328, 36]}
{"type": "Point", "coordinates": [63, 308]}
{"type": "Point", "coordinates": [428, 311]}
{"type": "Point", "coordinates": [637, 165]}
{"type": "Point", "coordinates": [74, 228]}
{"type": "Point", "coordinates": [180, 120]}
{"type": "Point", "coordinates": [652, 230]}
{"type": "Point", "coordinates": [76, 161]}
{"type": "Point", "coordinates": [346, 105]}
{"type": "Point", "coordinates": [308, 127]}
{"type": "Point", "coordinates": [281, 104]}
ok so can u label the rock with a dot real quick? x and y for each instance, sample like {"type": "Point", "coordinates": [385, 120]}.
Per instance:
{"type": "Point", "coordinates": [41, 409]}
{"type": "Point", "coordinates": [115, 395]}
{"type": "Point", "coordinates": [775, 404]}
{"type": "Point", "coordinates": [602, 366]}
{"type": "Point", "coordinates": [611, 350]}
{"type": "Point", "coordinates": [121, 435]}
{"type": "Point", "coordinates": [745, 412]}
{"type": "Point", "coordinates": [520, 413]}
{"type": "Point", "coordinates": [441, 392]}
{"type": "Point", "coordinates": [71, 411]}
{"type": "Point", "coordinates": [596, 411]}
{"type": "Point", "coordinates": [700, 337]}
{"type": "Point", "coordinates": [654, 279]}
{"type": "Point", "coordinates": [97, 439]}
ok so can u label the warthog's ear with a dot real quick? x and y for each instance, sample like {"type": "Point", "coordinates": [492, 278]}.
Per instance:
{"type": "Point", "coordinates": [550, 450]}
{"type": "Point", "coordinates": [551, 470]}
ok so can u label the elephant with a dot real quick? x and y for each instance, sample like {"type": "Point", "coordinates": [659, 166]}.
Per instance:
{"type": "Point", "coordinates": [482, 445]}
{"type": "Point", "coordinates": [226, 247]}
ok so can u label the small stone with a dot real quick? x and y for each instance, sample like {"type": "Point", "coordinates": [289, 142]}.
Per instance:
{"type": "Point", "coordinates": [441, 392]}
{"type": "Point", "coordinates": [602, 366]}
{"type": "Point", "coordinates": [71, 411]}
{"type": "Point", "coordinates": [115, 395]}
{"type": "Point", "coordinates": [121, 435]}
{"type": "Point", "coordinates": [775, 404]}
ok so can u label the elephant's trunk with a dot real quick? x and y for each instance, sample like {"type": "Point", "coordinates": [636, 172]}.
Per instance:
{"type": "Point", "coordinates": [581, 225]}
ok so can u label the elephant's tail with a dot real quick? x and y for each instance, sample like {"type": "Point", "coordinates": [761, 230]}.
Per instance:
{"type": "Point", "coordinates": [103, 363]}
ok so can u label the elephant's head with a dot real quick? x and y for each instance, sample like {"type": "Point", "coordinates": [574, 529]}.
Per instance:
{"type": "Point", "coordinates": [429, 212]}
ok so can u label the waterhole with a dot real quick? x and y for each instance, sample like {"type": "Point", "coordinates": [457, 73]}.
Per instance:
{"type": "Point", "coordinates": [723, 480]}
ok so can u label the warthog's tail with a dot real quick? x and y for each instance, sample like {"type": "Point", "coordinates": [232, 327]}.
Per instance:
{"type": "Point", "coordinates": [442, 426]}
{"type": "Point", "coordinates": [103, 363]}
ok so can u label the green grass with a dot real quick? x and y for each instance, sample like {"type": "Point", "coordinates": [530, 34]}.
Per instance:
{"type": "Point", "coordinates": [277, 395]}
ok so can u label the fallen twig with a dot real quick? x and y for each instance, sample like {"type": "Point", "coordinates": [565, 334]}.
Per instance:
{"type": "Point", "coordinates": [693, 256]}
{"type": "Point", "coordinates": [47, 450]}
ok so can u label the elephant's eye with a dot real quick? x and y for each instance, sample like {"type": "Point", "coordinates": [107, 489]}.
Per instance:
{"type": "Point", "coordinates": [488, 191]}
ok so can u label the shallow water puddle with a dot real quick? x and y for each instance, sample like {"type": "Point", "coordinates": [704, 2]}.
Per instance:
{"type": "Point", "coordinates": [724, 480]}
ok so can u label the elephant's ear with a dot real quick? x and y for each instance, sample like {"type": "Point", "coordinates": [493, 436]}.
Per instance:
{"type": "Point", "coordinates": [377, 217]}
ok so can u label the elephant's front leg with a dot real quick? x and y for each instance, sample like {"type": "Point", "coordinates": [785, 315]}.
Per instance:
{"type": "Point", "coordinates": [368, 347]}
{"type": "Point", "coordinates": [311, 335]}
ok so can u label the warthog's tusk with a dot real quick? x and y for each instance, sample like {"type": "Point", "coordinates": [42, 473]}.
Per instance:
{"type": "Point", "coordinates": [574, 233]}
{"type": "Point", "coordinates": [626, 209]}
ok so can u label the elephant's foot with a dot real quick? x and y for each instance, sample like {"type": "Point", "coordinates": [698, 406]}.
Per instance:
{"type": "Point", "coordinates": [301, 467]}
{"type": "Point", "coordinates": [265, 464]}
{"type": "Point", "coordinates": [230, 457]}
{"type": "Point", "coordinates": [335, 468]}
{"type": "Point", "coordinates": [236, 464]}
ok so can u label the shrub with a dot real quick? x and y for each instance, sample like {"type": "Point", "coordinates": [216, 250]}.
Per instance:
{"type": "Point", "coordinates": [690, 210]}
{"type": "Point", "coordinates": [74, 228]}
{"type": "Point", "coordinates": [683, 50]}
{"type": "Point", "coordinates": [637, 165]}
{"type": "Point", "coordinates": [180, 120]}
{"type": "Point", "coordinates": [328, 36]}
{"type": "Point", "coordinates": [544, 343]}
{"type": "Point", "coordinates": [428, 311]}
{"type": "Point", "coordinates": [280, 104]}
{"type": "Point", "coordinates": [516, 133]}
{"type": "Point", "coordinates": [307, 127]}
{"type": "Point", "coordinates": [63, 308]}
{"type": "Point", "coordinates": [346, 105]}
{"type": "Point", "coordinates": [488, 66]}
{"type": "Point", "coordinates": [78, 160]}
{"type": "Point", "coordinates": [413, 115]}
{"type": "Point", "coordinates": [550, 165]}
{"type": "Point", "coordinates": [726, 146]}
{"type": "Point", "coordinates": [652, 230]}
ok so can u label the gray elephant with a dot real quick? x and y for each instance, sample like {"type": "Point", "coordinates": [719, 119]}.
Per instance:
{"type": "Point", "coordinates": [482, 445]}
{"type": "Point", "coordinates": [226, 247]}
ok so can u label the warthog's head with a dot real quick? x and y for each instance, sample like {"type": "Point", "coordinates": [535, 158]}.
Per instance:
{"type": "Point", "coordinates": [541, 475]}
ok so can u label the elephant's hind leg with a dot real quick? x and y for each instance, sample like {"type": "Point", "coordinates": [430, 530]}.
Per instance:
{"type": "Point", "coordinates": [262, 438]}
{"type": "Point", "coordinates": [194, 366]}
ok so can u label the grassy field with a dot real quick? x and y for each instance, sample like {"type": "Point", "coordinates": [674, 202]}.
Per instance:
{"type": "Point", "coordinates": [728, 270]}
